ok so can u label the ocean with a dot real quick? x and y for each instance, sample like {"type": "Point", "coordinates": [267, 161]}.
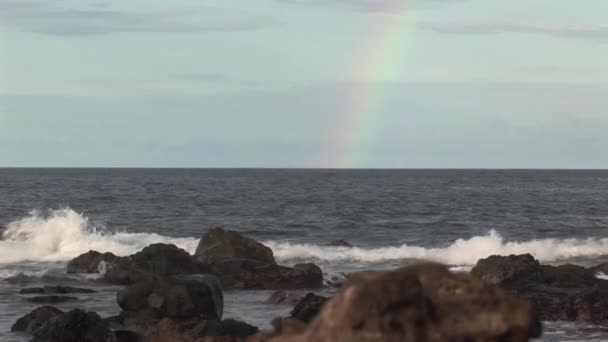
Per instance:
{"type": "Point", "coordinates": [393, 217]}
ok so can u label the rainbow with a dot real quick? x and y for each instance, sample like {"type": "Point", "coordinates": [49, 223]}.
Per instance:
{"type": "Point", "coordinates": [351, 136]}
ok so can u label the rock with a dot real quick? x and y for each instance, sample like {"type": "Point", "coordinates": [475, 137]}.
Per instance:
{"type": "Point", "coordinates": [31, 322]}
{"type": "Point", "coordinates": [559, 293]}
{"type": "Point", "coordinates": [507, 270]}
{"type": "Point", "coordinates": [251, 274]}
{"type": "Point", "coordinates": [51, 299]}
{"type": "Point", "coordinates": [340, 243]}
{"type": "Point", "coordinates": [91, 262]}
{"type": "Point", "coordinates": [128, 336]}
{"type": "Point", "coordinates": [601, 268]}
{"type": "Point", "coordinates": [424, 302]}
{"type": "Point", "coordinates": [284, 298]}
{"type": "Point", "coordinates": [284, 330]}
{"type": "Point", "coordinates": [240, 329]}
{"type": "Point", "coordinates": [151, 262]}
{"type": "Point", "coordinates": [308, 308]}
{"type": "Point", "coordinates": [74, 326]}
{"type": "Point", "coordinates": [219, 244]}
{"type": "Point", "coordinates": [175, 297]}
{"type": "Point", "coordinates": [59, 289]}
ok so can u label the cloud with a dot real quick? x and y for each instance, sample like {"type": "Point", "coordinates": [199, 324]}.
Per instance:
{"type": "Point", "coordinates": [385, 6]}
{"type": "Point", "coordinates": [54, 19]}
{"type": "Point", "coordinates": [497, 26]}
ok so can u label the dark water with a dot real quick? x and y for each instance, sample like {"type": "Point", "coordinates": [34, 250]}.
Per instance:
{"type": "Point", "coordinates": [451, 216]}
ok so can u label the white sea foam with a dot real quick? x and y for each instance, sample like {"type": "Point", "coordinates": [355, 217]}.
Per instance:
{"type": "Point", "coordinates": [461, 252]}
{"type": "Point", "coordinates": [64, 234]}
{"type": "Point", "coordinates": [601, 275]}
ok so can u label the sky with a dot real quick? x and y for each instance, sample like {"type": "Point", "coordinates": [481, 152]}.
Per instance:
{"type": "Point", "coordinates": [304, 83]}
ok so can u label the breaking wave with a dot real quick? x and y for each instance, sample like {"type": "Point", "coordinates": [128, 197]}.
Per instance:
{"type": "Point", "coordinates": [63, 234]}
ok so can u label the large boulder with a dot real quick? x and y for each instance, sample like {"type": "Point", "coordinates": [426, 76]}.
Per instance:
{"type": "Point", "coordinates": [218, 244]}
{"type": "Point", "coordinates": [507, 270]}
{"type": "Point", "coordinates": [34, 320]}
{"type": "Point", "coordinates": [91, 262]}
{"type": "Point", "coordinates": [424, 302]}
{"type": "Point", "coordinates": [74, 326]}
{"type": "Point", "coordinates": [308, 308]}
{"type": "Point", "coordinates": [178, 297]}
{"type": "Point", "coordinates": [251, 274]}
{"type": "Point", "coordinates": [559, 293]}
{"type": "Point", "coordinates": [151, 262]}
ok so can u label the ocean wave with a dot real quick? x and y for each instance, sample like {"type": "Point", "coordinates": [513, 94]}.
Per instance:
{"type": "Point", "coordinates": [461, 252]}
{"type": "Point", "coordinates": [63, 234]}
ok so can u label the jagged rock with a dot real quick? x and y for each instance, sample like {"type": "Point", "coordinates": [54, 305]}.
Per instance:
{"type": "Point", "coordinates": [175, 297]}
{"type": "Point", "coordinates": [240, 329]}
{"type": "Point", "coordinates": [51, 299]}
{"type": "Point", "coordinates": [74, 326]}
{"type": "Point", "coordinates": [59, 289]}
{"type": "Point", "coordinates": [308, 308]}
{"type": "Point", "coordinates": [34, 320]}
{"type": "Point", "coordinates": [424, 302]}
{"type": "Point", "coordinates": [251, 274]}
{"type": "Point", "coordinates": [559, 293]}
{"type": "Point", "coordinates": [284, 298]}
{"type": "Point", "coordinates": [151, 262]}
{"type": "Point", "coordinates": [90, 262]}
{"type": "Point", "coordinates": [219, 244]}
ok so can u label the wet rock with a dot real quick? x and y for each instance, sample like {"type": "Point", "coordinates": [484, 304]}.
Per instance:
{"type": "Point", "coordinates": [507, 270]}
{"type": "Point", "coordinates": [601, 268]}
{"type": "Point", "coordinates": [151, 262]}
{"type": "Point", "coordinates": [74, 326]}
{"type": "Point", "coordinates": [340, 243]}
{"type": "Point", "coordinates": [424, 302]}
{"type": "Point", "coordinates": [284, 298]}
{"type": "Point", "coordinates": [128, 336]}
{"type": "Point", "coordinates": [91, 262]}
{"type": "Point", "coordinates": [251, 274]}
{"type": "Point", "coordinates": [308, 308]}
{"type": "Point", "coordinates": [240, 329]}
{"type": "Point", "coordinates": [218, 244]}
{"type": "Point", "coordinates": [559, 293]}
{"type": "Point", "coordinates": [34, 320]}
{"type": "Point", "coordinates": [283, 330]}
{"type": "Point", "coordinates": [51, 299]}
{"type": "Point", "coordinates": [175, 297]}
{"type": "Point", "coordinates": [59, 289]}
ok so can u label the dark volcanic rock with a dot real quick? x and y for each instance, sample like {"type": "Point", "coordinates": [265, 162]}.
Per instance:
{"type": "Point", "coordinates": [74, 326]}
{"type": "Point", "coordinates": [151, 262]}
{"type": "Point", "coordinates": [559, 293]}
{"type": "Point", "coordinates": [90, 261]}
{"type": "Point", "coordinates": [51, 299]}
{"type": "Point", "coordinates": [308, 308]}
{"type": "Point", "coordinates": [340, 243]}
{"type": "Point", "coordinates": [424, 302]}
{"type": "Point", "coordinates": [284, 298]}
{"type": "Point", "coordinates": [251, 274]}
{"type": "Point", "coordinates": [240, 329]}
{"type": "Point", "coordinates": [59, 289]}
{"type": "Point", "coordinates": [218, 244]}
{"type": "Point", "coordinates": [31, 322]}
{"type": "Point", "coordinates": [175, 297]}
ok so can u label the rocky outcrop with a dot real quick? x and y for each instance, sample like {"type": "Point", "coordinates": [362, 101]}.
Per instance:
{"type": "Point", "coordinates": [51, 299]}
{"type": "Point", "coordinates": [58, 289]}
{"type": "Point", "coordinates": [251, 274]}
{"type": "Point", "coordinates": [178, 297]}
{"type": "Point", "coordinates": [559, 293]}
{"type": "Point", "coordinates": [218, 244]}
{"type": "Point", "coordinates": [31, 322]}
{"type": "Point", "coordinates": [91, 262]}
{"type": "Point", "coordinates": [74, 326]}
{"type": "Point", "coordinates": [308, 308]}
{"type": "Point", "coordinates": [424, 302]}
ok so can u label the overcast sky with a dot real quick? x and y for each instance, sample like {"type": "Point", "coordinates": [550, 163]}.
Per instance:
{"type": "Point", "coordinates": [281, 83]}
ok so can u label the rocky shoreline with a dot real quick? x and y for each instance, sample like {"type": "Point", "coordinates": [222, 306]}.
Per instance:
{"type": "Point", "coordinates": [170, 295]}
